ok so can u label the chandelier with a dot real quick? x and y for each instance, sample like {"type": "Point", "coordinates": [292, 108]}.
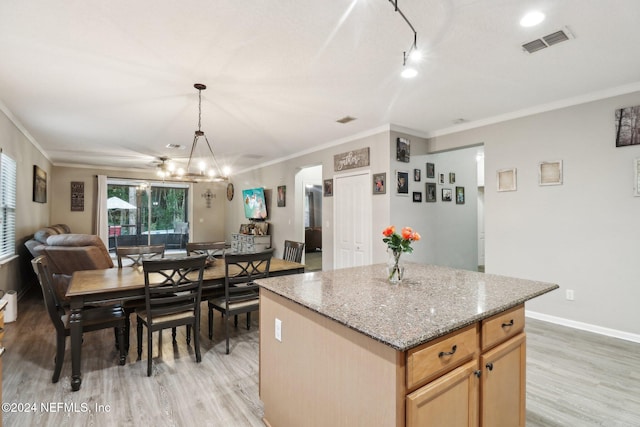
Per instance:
{"type": "Point", "coordinates": [207, 168]}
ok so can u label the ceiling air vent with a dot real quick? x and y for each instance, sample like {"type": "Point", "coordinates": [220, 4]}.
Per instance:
{"type": "Point", "coordinates": [548, 40]}
{"type": "Point", "coordinates": [346, 119]}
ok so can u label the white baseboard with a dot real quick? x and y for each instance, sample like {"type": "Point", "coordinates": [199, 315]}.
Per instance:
{"type": "Point", "coordinates": [584, 326]}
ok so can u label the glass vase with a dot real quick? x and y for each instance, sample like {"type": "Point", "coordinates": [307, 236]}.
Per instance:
{"type": "Point", "coordinates": [395, 267]}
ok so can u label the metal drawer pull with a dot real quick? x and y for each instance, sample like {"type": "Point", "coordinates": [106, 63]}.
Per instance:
{"type": "Point", "coordinates": [489, 366]}
{"type": "Point", "coordinates": [505, 325]}
{"type": "Point", "coordinates": [478, 373]}
{"type": "Point", "coordinates": [448, 353]}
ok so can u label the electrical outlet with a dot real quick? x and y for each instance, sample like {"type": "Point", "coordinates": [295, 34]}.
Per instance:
{"type": "Point", "coordinates": [570, 295]}
{"type": "Point", "coordinates": [278, 329]}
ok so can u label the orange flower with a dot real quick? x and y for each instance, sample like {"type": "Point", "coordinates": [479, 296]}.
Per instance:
{"type": "Point", "coordinates": [389, 231]}
{"type": "Point", "coordinates": [406, 233]}
{"type": "Point", "coordinates": [416, 236]}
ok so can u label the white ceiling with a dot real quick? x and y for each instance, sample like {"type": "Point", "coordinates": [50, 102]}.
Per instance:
{"type": "Point", "coordinates": [110, 83]}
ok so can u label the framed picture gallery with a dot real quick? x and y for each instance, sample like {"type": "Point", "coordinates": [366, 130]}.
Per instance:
{"type": "Point", "coordinates": [417, 196]}
{"type": "Point", "coordinates": [431, 170]}
{"type": "Point", "coordinates": [447, 195]}
{"type": "Point", "coordinates": [459, 195]}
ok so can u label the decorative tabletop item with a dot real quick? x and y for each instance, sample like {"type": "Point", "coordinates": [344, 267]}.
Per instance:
{"type": "Point", "coordinates": [396, 245]}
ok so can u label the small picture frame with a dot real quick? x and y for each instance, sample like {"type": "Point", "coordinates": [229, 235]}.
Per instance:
{"type": "Point", "coordinates": [626, 126]}
{"type": "Point", "coordinates": [452, 178]}
{"type": "Point", "coordinates": [328, 187]}
{"type": "Point", "coordinates": [403, 150]}
{"type": "Point", "coordinates": [417, 196]}
{"type": "Point", "coordinates": [417, 173]}
{"type": "Point", "coordinates": [39, 185]}
{"type": "Point", "coordinates": [636, 169]}
{"type": "Point", "coordinates": [446, 195]}
{"type": "Point", "coordinates": [431, 170]}
{"type": "Point", "coordinates": [431, 192]}
{"type": "Point", "coordinates": [550, 173]}
{"type": "Point", "coordinates": [441, 178]}
{"type": "Point", "coordinates": [380, 183]}
{"type": "Point", "coordinates": [402, 183]}
{"type": "Point", "coordinates": [282, 196]}
{"type": "Point", "coordinates": [77, 196]}
{"type": "Point", "coordinates": [459, 195]}
{"type": "Point", "coordinates": [507, 179]}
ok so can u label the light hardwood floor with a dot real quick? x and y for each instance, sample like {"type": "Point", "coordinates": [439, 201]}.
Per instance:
{"type": "Point", "coordinates": [574, 378]}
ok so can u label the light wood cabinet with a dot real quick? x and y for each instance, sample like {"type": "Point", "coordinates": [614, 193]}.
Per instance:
{"type": "Point", "coordinates": [451, 400]}
{"type": "Point", "coordinates": [503, 383]}
{"type": "Point", "coordinates": [471, 377]}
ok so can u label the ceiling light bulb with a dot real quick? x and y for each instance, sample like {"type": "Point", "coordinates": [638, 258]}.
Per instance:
{"type": "Point", "coordinates": [409, 72]}
{"type": "Point", "coordinates": [226, 171]}
{"type": "Point", "coordinates": [211, 173]}
{"type": "Point", "coordinates": [532, 18]}
{"type": "Point", "coordinates": [180, 171]}
{"type": "Point", "coordinates": [171, 167]}
{"type": "Point", "coordinates": [415, 55]}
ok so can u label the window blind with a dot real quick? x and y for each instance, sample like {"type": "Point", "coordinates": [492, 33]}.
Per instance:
{"type": "Point", "coordinates": [7, 206]}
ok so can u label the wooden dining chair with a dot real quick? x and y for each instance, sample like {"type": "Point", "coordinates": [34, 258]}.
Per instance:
{"type": "Point", "coordinates": [137, 254]}
{"type": "Point", "coordinates": [240, 291]}
{"type": "Point", "coordinates": [172, 288]}
{"type": "Point", "coordinates": [93, 319]}
{"type": "Point", "coordinates": [293, 251]}
{"type": "Point", "coordinates": [212, 250]}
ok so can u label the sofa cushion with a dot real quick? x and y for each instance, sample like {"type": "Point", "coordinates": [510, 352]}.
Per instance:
{"type": "Point", "coordinates": [39, 240]}
{"type": "Point", "coordinates": [73, 252]}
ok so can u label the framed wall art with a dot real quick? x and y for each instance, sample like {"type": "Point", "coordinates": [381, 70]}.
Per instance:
{"type": "Point", "coordinates": [282, 196]}
{"type": "Point", "coordinates": [636, 168]}
{"type": "Point", "coordinates": [328, 187]}
{"type": "Point", "coordinates": [441, 178]}
{"type": "Point", "coordinates": [447, 195]}
{"type": "Point", "coordinates": [39, 185]}
{"type": "Point", "coordinates": [403, 150]}
{"type": "Point", "coordinates": [550, 173]}
{"type": "Point", "coordinates": [431, 170]}
{"type": "Point", "coordinates": [417, 196]}
{"type": "Point", "coordinates": [402, 182]}
{"type": "Point", "coordinates": [628, 126]}
{"type": "Point", "coordinates": [417, 174]}
{"type": "Point", "coordinates": [459, 195]}
{"type": "Point", "coordinates": [431, 192]}
{"type": "Point", "coordinates": [452, 178]}
{"type": "Point", "coordinates": [380, 183]}
{"type": "Point", "coordinates": [507, 180]}
{"type": "Point", "coordinates": [77, 196]}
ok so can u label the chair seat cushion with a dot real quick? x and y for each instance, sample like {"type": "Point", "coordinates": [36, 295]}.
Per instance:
{"type": "Point", "coordinates": [220, 303]}
{"type": "Point", "coordinates": [166, 318]}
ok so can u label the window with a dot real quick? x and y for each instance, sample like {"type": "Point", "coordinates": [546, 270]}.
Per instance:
{"type": "Point", "coordinates": [147, 213]}
{"type": "Point", "coordinates": [7, 206]}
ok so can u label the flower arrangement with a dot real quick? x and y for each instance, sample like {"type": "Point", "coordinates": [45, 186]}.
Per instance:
{"type": "Point", "coordinates": [398, 243]}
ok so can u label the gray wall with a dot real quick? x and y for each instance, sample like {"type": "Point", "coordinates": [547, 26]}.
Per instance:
{"type": "Point", "coordinates": [17, 274]}
{"type": "Point", "coordinates": [583, 234]}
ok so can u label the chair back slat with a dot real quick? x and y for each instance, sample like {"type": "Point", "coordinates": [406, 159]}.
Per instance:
{"type": "Point", "coordinates": [240, 272]}
{"type": "Point", "coordinates": [173, 285]}
{"type": "Point", "coordinates": [40, 266]}
{"type": "Point", "coordinates": [211, 249]}
{"type": "Point", "coordinates": [293, 251]}
{"type": "Point", "coordinates": [137, 254]}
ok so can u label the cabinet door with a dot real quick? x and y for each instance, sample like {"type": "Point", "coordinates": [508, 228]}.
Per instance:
{"type": "Point", "coordinates": [502, 388]}
{"type": "Point", "coordinates": [451, 400]}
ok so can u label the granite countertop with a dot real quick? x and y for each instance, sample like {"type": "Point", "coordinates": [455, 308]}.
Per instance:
{"type": "Point", "coordinates": [430, 302]}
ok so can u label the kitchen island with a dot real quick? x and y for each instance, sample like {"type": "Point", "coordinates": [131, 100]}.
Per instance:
{"type": "Point", "coordinates": [346, 348]}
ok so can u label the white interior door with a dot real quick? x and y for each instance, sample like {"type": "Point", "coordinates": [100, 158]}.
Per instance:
{"type": "Point", "coordinates": [352, 220]}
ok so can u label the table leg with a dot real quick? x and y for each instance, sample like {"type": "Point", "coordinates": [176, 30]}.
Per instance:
{"type": "Point", "coordinates": [75, 324]}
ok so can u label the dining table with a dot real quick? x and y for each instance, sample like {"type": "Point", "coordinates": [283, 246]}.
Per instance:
{"type": "Point", "coordinates": [118, 285]}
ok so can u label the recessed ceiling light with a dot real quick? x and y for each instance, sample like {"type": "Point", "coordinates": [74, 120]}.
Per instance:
{"type": "Point", "coordinates": [532, 18]}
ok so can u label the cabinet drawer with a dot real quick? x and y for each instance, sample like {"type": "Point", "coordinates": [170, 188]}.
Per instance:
{"type": "Point", "coordinates": [433, 359]}
{"type": "Point", "coordinates": [501, 327]}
